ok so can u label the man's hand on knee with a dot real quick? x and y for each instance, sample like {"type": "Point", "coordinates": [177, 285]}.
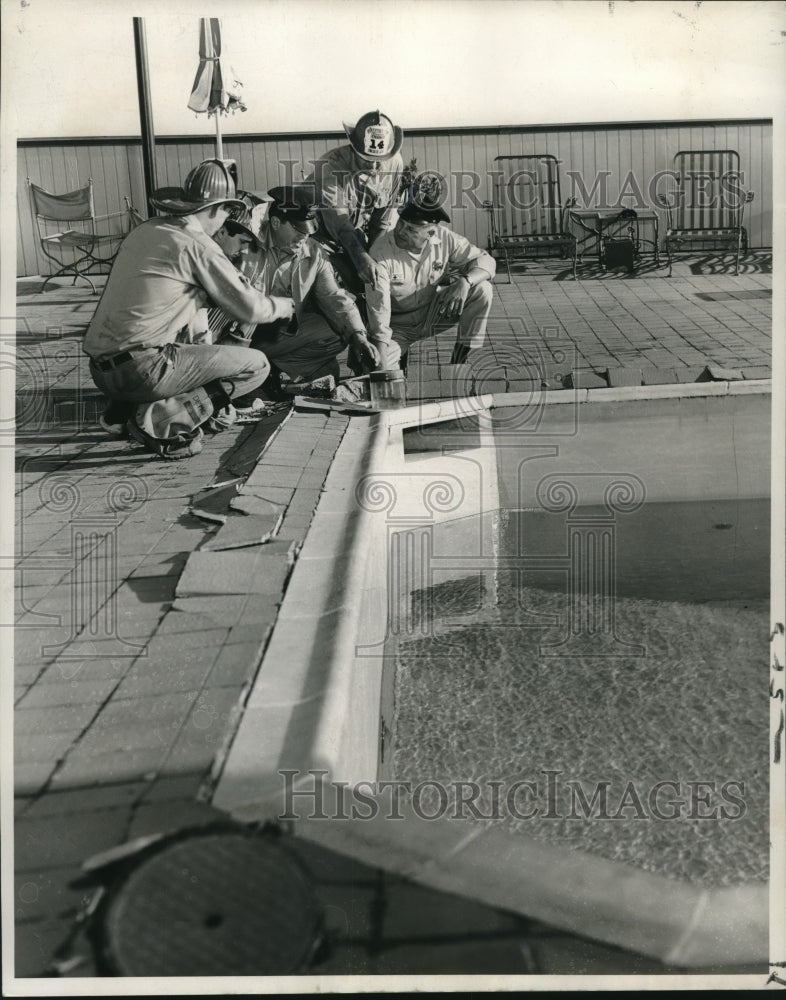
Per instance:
{"type": "Point", "coordinates": [454, 297]}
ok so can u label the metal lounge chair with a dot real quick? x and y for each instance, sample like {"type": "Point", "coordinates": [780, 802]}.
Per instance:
{"type": "Point", "coordinates": [706, 208]}
{"type": "Point", "coordinates": [90, 241]}
{"type": "Point", "coordinates": [527, 216]}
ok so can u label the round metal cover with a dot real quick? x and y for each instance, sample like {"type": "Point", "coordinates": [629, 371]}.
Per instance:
{"type": "Point", "coordinates": [212, 904]}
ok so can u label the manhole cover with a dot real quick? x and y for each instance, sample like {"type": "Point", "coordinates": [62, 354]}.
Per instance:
{"type": "Point", "coordinates": [211, 904]}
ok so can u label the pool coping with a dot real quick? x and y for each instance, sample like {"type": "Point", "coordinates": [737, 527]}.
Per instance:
{"type": "Point", "coordinates": [339, 536]}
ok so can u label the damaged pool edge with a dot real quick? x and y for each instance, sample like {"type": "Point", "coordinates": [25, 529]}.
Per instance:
{"type": "Point", "coordinates": [297, 717]}
{"type": "Point", "coordinates": [296, 714]}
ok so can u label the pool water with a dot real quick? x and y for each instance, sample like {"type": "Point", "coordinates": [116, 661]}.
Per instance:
{"type": "Point", "coordinates": [669, 720]}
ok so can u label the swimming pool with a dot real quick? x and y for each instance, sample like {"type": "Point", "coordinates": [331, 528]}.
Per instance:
{"type": "Point", "coordinates": [660, 719]}
{"type": "Point", "coordinates": [431, 504]}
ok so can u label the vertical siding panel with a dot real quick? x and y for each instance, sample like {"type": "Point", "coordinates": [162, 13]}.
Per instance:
{"type": "Point", "coordinates": [163, 156]}
{"type": "Point", "coordinates": [276, 171]}
{"type": "Point", "coordinates": [135, 180]}
{"type": "Point", "coordinates": [285, 166]}
{"type": "Point", "coordinates": [647, 166]}
{"type": "Point", "coordinates": [568, 165]}
{"type": "Point", "coordinates": [261, 152]}
{"type": "Point", "coordinates": [481, 173]}
{"type": "Point", "coordinates": [245, 166]}
{"type": "Point", "coordinates": [552, 145]}
{"type": "Point", "coordinates": [408, 149]}
{"type": "Point", "coordinates": [169, 167]}
{"type": "Point", "coordinates": [557, 148]}
{"type": "Point", "coordinates": [273, 156]}
{"type": "Point", "coordinates": [613, 160]}
{"type": "Point", "coordinates": [256, 154]}
{"type": "Point", "coordinates": [82, 162]}
{"type": "Point", "coordinates": [312, 153]}
{"type": "Point", "coordinates": [592, 160]}
{"type": "Point", "coordinates": [304, 155]}
{"type": "Point", "coordinates": [596, 168]}
{"type": "Point", "coordinates": [471, 203]}
{"type": "Point", "coordinates": [418, 146]}
{"type": "Point", "coordinates": [183, 160]}
{"type": "Point", "coordinates": [753, 181]}
{"type": "Point", "coordinates": [757, 210]}
{"type": "Point", "coordinates": [751, 219]}
{"type": "Point", "coordinates": [749, 166]}
{"type": "Point", "coordinates": [445, 167]}
{"type": "Point", "coordinates": [628, 183]}
{"type": "Point", "coordinates": [270, 160]}
{"type": "Point", "coordinates": [484, 157]}
{"type": "Point", "coordinates": [98, 174]}
{"type": "Point", "coordinates": [112, 195]}
{"type": "Point", "coordinates": [123, 173]}
{"type": "Point", "coordinates": [59, 172]}
{"type": "Point", "coordinates": [430, 158]}
{"type": "Point", "coordinates": [657, 182]}
{"type": "Point", "coordinates": [273, 159]}
{"type": "Point", "coordinates": [47, 170]}
{"type": "Point", "coordinates": [595, 159]}
{"type": "Point", "coordinates": [586, 160]}
{"type": "Point", "coordinates": [291, 171]}
{"type": "Point", "coordinates": [26, 258]}
{"type": "Point", "coordinates": [575, 166]}
{"type": "Point", "coordinates": [452, 160]}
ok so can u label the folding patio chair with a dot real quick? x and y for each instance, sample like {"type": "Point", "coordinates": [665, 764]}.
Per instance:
{"type": "Point", "coordinates": [706, 208]}
{"type": "Point", "coordinates": [527, 216]}
{"type": "Point", "coordinates": [92, 240]}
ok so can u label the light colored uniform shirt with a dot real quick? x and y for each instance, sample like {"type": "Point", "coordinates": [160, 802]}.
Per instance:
{"type": "Point", "coordinates": [305, 276]}
{"type": "Point", "coordinates": [407, 282]}
{"type": "Point", "coordinates": [356, 203]}
{"type": "Point", "coordinates": [163, 275]}
{"type": "Point", "coordinates": [270, 269]}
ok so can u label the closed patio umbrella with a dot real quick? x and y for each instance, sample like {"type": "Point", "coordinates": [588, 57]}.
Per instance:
{"type": "Point", "coordinates": [216, 89]}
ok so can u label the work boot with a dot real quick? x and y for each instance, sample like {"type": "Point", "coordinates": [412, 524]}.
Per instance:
{"type": "Point", "coordinates": [115, 417]}
{"type": "Point", "coordinates": [222, 419]}
{"type": "Point", "coordinates": [460, 353]}
{"type": "Point", "coordinates": [180, 446]}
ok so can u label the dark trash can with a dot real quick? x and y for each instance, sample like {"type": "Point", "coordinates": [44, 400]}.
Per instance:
{"type": "Point", "coordinates": [618, 253]}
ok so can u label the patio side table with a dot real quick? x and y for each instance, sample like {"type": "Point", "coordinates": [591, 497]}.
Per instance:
{"type": "Point", "coordinates": [598, 226]}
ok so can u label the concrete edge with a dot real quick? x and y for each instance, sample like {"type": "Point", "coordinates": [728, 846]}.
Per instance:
{"type": "Point", "coordinates": [675, 922]}
{"type": "Point", "coordinates": [285, 723]}
{"type": "Point", "coordinates": [452, 409]}
{"type": "Point", "coordinates": [340, 662]}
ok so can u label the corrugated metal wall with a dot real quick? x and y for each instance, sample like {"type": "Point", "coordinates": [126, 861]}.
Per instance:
{"type": "Point", "coordinates": [626, 159]}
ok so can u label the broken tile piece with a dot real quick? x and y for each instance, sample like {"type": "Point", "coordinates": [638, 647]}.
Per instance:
{"type": "Point", "coordinates": [242, 530]}
{"type": "Point", "coordinates": [713, 373]}
{"type": "Point", "coordinates": [624, 376]}
{"type": "Point", "coordinates": [247, 503]}
{"type": "Point", "coordinates": [260, 569]}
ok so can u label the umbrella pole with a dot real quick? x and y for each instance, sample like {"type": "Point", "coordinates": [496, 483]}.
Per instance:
{"type": "Point", "coordinates": [219, 143]}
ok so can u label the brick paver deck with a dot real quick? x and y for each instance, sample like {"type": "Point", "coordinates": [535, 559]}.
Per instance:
{"type": "Point", "coordinates": [132, 658]}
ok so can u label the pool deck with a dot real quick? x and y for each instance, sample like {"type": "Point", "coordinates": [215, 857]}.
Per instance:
{"type": "Point", "coordinates": [130, 606]}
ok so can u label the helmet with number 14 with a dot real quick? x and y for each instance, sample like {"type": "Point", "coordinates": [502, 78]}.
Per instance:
{"type": "Point", "coordinates": [374, 137]}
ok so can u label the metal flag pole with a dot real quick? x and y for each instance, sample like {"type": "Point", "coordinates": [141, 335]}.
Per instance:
{"type": "Point", "coordinates": [145, 111]}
